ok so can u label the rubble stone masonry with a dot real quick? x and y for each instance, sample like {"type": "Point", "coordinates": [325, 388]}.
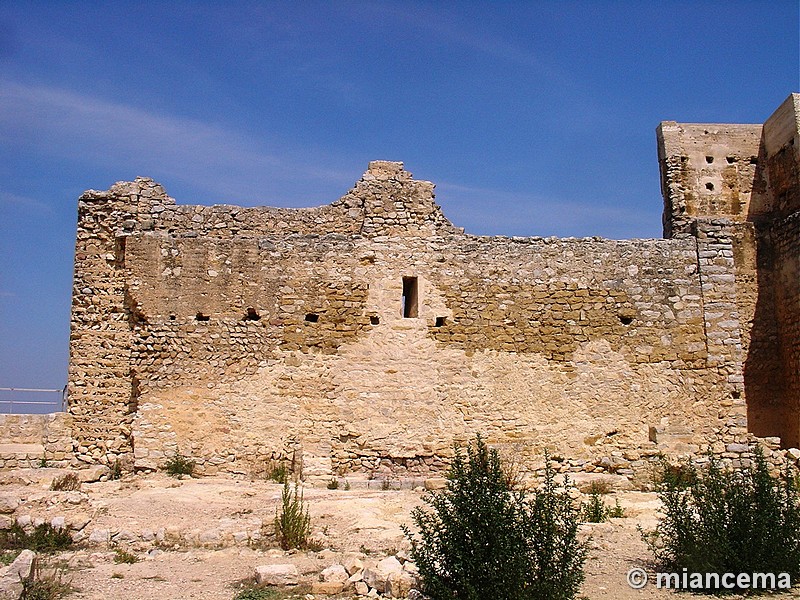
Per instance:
{"type": "Point", "coordinates": [368, 335]}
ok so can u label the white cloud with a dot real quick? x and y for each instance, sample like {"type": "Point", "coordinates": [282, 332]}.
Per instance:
{"type": "Point", "coordinates": [84, 128]}
{"type": "Point", "coordinates": [26, 203]}
{"type": "Point", "coordinates": [499, 212]}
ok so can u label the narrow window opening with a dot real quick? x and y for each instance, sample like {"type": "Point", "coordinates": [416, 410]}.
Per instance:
{"type": "Point", "coordinates": [625, 320]}
{"type": "Point", "coordinates": [201, 317]}
{"type": "Point", "coordinates": [710, 187]}
{"type": "Point", "coordinates": [440, 321]}
{"type": "Point", "coordinates": [731, 159]}
{"type": "Point", "coordinates": [374, 320]}
{"type": "Point", "coordinates": [252, 315]}
{"type": "Point", "coordinates": [312, 317]}
{"type": "Point", "coordinates": [172, 317]}
{"type": "Point", "coordinates": [753, 160]}
{"type": "Point", "coordinates": [709, 159]}
{"type": "Point", "coordinates": [410, 310]}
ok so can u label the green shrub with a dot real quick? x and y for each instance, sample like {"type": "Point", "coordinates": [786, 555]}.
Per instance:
{"type": "Point", "coordinates": [179, 465]}
{"type": "Point", "coordinates": [616, 511]}
{"type": "Point", "coordinates": [728, 521]}
{"type": "Point", "coordinates": [46, 584]}
{"type": "Point", "coordinates": [123, 556]}
{"type": "Point", "coordinates": [278, 472]}
{"type": "Point", "coordinates": [292, 521]}
{"type": "Point", "coordinates": [595, 510]}
{"type": "Point", "coordinates": [333, 484]}
{"type": "Point", "coordinates": [68, 482]}
{"type": "Point", "coordinates": [45, 538]}
{"type": "Point", "coordinates": [483, 539]}
{"type": "Point", "coordinates": [115, 470]}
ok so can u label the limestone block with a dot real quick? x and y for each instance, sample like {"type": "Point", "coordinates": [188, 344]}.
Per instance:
{"type": "Point", "coordinates": [8, 503]}
{"type": "Point", "coordinates": [11, 576]}
{"type": "Point", "coordinates": [327, 588]}
{"type": "Point", "coordinates": [387, 568]}
{"type": "Point", "coordinates": [335, 572]}
{"type": "Point", "coordinates": [93, 473]}
{"type": "Point", "coordinates": [285, 574]}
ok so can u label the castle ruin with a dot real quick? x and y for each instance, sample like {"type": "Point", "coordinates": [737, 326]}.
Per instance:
{"type": "Point", "coordinates": [368, 335]}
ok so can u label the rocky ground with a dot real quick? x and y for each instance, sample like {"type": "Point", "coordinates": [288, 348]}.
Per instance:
{"type": "Point", "coordinates": [204, 538]}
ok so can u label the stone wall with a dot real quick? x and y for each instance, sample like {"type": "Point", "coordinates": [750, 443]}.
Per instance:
{"type": "Point", "coordinates": [30, 440]}
{"type": "Point", "coordinates": [757, 189]}
{"type": "Point", "coordinates": [368, 335]}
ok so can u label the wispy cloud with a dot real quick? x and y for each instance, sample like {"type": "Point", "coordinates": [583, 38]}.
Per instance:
{"type": "Point", "coordinates": [26, 203]}
{"type": "Point", "coordinates": [498, 212]}
{"type": "Point", "coordinates": [85, 128]}
{"type": "Point", "coordinates": [443, 21]}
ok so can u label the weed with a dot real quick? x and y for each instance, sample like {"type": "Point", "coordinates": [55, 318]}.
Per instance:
{"type": "Point", "coordinates": [364, 550]}
{"type": "Point", "coordinates": [46, 583]}
{"type": "Point", "coordinates": [278, 472]}
{"type": "Point", "coordinates": [600, 487]}
{"type": "Point", "coordinates": [386, 485]}
{"type": "Point", "coordinates": [116, 471]}
{"type": "Point", "coordinates": [727, 521]}
{"type": "Point", "coordinates": [595, 511]}
{"type": "Point", "coordinates": [616, 511]}
{"type": "Point", "coordinates": [179, 465]}
{"type": "Point", "coordinates": [68, 482]}
{"type": "Point", "coordinates": [123, 556]}
{"type": "Point", "coordinates": [292, 521]}
{"type": "Point", "coordinates": [45, 538]}
{"type": "Point", "coordinates": [483, 539]}
{"type": "Point", "coordinates": [43, 464]}
{"type": "Point", "coordinates": [346, 485]}
{"type": "Point", "coordinates": [8, 556]}
{"type": "Point", "coordinates": [333, 484]}
{"type": "Point", "coordinates": [252, 591]}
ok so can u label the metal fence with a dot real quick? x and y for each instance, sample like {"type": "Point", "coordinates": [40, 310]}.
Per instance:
{"type": "Point", "coordinates": [32, 400]}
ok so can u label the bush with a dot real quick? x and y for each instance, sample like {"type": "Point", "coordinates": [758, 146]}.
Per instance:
{"type": "Point", "coordinates": [125, 557]}
{"type": "Point", "coordinates": [728, 521]}
{"type": "Point", "coordinates": [45, 538]}
{"type": "Point", "coordinates": [484, 539]}
{"type": "Point", "coordinates": [115, 471]}
{"type": "Point", "coordinates": [68, 482]}
{"type": "Point", "coordinates": [179, 465]}
{"type": "Point", "coordinates": [333, 484]}
{"type": "Point", "coordinates": [292, 521]}
{"type": "Point", "coordinates": [595, 510]}
{"type": "Point", "coordinates": [278, 472]}
{"type": "Point", "coordinates": [50, 584]}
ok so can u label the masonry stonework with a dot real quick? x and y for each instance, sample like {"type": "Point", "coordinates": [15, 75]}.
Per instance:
{"type": "Point", "coordinates": [366, 336]}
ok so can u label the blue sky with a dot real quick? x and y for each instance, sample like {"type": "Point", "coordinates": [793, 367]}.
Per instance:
{"type": "Point", "coordinates": [533, 118]}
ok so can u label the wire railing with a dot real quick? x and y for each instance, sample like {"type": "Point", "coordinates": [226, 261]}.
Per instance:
{"type": "Point", "coordinates": [17, 401]}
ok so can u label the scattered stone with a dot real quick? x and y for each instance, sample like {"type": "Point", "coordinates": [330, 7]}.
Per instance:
{"type": "Point", "coordinates": [335, 573]}
{"type": "Point", "coordinates": [286, 574]}
{"type": "Point", "coordinates": [8, 504]}
{"type": "Point", "coordinates": [11, 577]}
{"type": "Point", "coordinates": [93, 473]}
{"type": "Point", "coordinates": [327, 588]}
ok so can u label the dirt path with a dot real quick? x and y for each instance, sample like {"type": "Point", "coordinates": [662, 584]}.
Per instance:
{"type": "Point", "coordinates": [199, 538]}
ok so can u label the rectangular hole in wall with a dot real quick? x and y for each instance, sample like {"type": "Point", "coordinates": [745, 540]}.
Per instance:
{"type": "Point", "coordinates": [410, 310]}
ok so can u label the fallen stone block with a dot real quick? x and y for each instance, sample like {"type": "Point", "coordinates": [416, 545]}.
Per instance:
{"type": "Point", "coordinates": [286, 574]}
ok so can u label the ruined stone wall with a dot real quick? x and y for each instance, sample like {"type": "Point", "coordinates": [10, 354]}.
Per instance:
{"type": "Point", "coordinates": [33, 440]}
{"type": "Point", "coordinates": [748, 174]}
{"type": "Point", "coordinates": [249, 335]}
{"type": "Point", "coordinates": [366, 336]}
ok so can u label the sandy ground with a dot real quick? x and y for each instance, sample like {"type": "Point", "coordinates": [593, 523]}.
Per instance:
{"type": "Point", "coordinates": [194, 536]}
